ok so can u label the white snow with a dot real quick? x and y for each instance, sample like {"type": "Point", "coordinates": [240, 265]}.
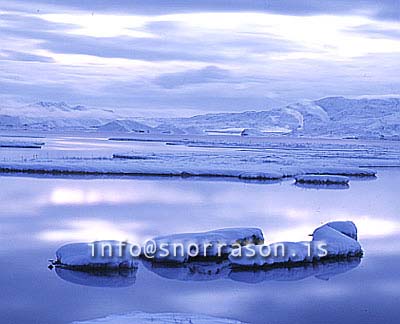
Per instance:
{"type": "Point", "coordinates": [337, 117]}
{"type": "Point", "coordinates": [209, 244]}
{"type": "Point", "coordinates": [348, 228]}
{"type": "Point", "coordinates": [124, 125]}
{"type": "Point", "coordinates": [99, 254]}
{"type": "Point", "coordinates": [322, 179]}
{"type": "Point", "coordinates": [159, 318]}
{"type": "Point", "coordinates": [328, 242]}
{"type": "Point", "coordinates": [337, 243]}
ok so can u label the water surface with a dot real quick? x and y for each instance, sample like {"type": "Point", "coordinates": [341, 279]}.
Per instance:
{"type": "Point", "coordinates": [40, 214]}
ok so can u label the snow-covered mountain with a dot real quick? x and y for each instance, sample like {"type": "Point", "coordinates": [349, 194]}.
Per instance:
{"type": "Point", "coordinates": [56, 106]}
{"type": "Point", "coordinates": [45, 115]}
{"type": "Point", "coordinates": [124, 125]}
{"type": "Point", "coordinates": [328, 117]}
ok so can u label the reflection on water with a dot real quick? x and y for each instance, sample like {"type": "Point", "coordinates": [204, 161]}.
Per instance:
{"type": "Point", "coordinates": [319, 186]}
{"type": "Point", "coordinates": [100, 278]}
{"type": "Point", "coordinates": [321, 270]}
{"type": "Point", "coordinates": [40, 214]}
{"type": "Point", "coordinates": [202, 271]}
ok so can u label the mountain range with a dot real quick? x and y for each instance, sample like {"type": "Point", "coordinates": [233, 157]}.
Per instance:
{"type": "Point", "coordinates": [366, 117]}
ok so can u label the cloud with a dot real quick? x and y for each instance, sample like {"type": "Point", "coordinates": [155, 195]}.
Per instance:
{"type": "Point", "coordinates": [383, 9]}
{"type": "Point", "coordinates": [208, 74]}
{"type": "Point", "coordinates": [376, 32]}
{"type": "Point", "coordinates": [21, 56]}
{"type": "Point", "coordinates": [195, 56]}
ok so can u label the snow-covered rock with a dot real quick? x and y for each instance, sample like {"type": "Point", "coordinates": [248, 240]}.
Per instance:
{"type": "Point", "coordinates": [347, 228]}
{"type": "Point", "coordinates": [97, 255]}
{"type": "Point", "coordinates": [332, 240]}
{"type": "Point", "coordinates": [322, 179]}
{"type": "Point", "coordinates": [338, 240]}
{"type": "Point", "coordinates": [183, 247]}
{"type": "Point", "coordinates": [160, 318]}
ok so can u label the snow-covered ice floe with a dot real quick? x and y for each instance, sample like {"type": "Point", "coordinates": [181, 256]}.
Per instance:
{"type": "Point", "coordinates": [322, 179]}
{"type": "Point", "coordinates": [96, 255]}
{"type": "Point", "coordinates": [175, 248]}
{"type": "Point", "coordinates": [164, 318]}
{"type": "Point", "coordinates": [333, 240]}
{"type": "Point", "coordinates": [241, 246]}
{"type": "Point", "coordinates": [180, 248]}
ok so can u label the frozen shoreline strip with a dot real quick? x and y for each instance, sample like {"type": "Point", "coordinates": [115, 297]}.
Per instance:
{"type": "Point", "coordinates": [125, 169]}
{"type": "Point", "coordinates": [21, 144]}
{"type": "Point", "coordinates": [134, 168]}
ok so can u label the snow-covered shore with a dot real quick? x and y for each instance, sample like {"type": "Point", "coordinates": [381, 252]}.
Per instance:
{"type": "Point", "coordinates": [165, 318]}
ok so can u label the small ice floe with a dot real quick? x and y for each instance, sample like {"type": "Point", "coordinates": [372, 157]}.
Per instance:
{"type": "Point", "coordinates": [99, 278]}
{"type": "Point", "coordinates": [260, 175]}
{"type": "Point", "coordinates": [323, 179]}
{"type": "Point", "coordinates": [164, 318]}
{"type": "Point", "coordinates": [333, 240]}
{"type": "Point", "coordinates": [180, 248]}
{"type": "Point", "coordinates": [96, 255]}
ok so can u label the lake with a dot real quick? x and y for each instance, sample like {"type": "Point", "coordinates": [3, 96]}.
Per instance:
{"type": "Point", "coordinates": [38, 215]}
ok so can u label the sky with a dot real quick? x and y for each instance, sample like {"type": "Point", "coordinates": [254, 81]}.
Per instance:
{"type": "Point", "coordinates": [180, 57]}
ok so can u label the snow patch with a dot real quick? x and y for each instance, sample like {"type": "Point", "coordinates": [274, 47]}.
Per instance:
{"type": "Point", "coordinates": [164, 318]}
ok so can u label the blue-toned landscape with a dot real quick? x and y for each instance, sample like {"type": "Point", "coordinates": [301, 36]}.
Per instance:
{"type": "Point", "coordinates": [198, 162]}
